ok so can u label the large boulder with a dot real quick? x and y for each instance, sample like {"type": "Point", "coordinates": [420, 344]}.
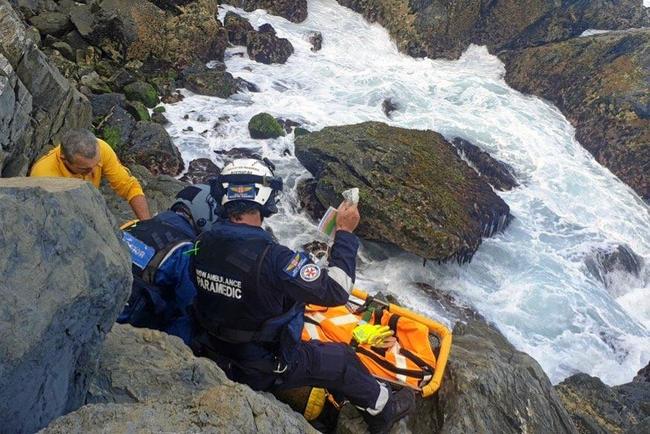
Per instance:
{"type": "Point", "coordinates": [159, 190]}
{"type": "Point", "coordinates": [416, 192]}
{"type": "Point", "coordinates": [151, 146]}
{"type": "Point", "coordinates": [266, 47]}
{"type": "Point", "coordinates": [293, 10]}
{"type": "Point", "coordinates": [599, 409]}
{"type": "Point", "coordinates": [65, 277]}
{"type": "Point", "coordinates": [150, 382]}
{"type": "Point", "coordinates": [237, 27]}
{"type": "Point", "coordinates": [209, 81]}
{"type": "Point", "coordinates": [601, 84]}
{"type": "Point", "coordinates": [36, 102]}
{"type": "Point", "coordinates": [439, 28]}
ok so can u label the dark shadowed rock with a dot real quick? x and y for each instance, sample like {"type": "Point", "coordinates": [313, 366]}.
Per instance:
{"type": "Point", "coordinates": [293, 10]}
{"type": "Point", "coordinates": [160, 191]}
{"type": "Point", "coordinates": [439, 28]}
{"type": "Point", "coordinates": [159, 118]}
{"type": "Point", "coordinates": [36, 102]}
{"type": "Point", "coordinates": [235, 153]}
{"type": "Point", "coordinates": [643, 376]}
{"type": "Point", "coordinates": [266, 28]}
{"type": "Point", "coordinates": [614, 258]}
{"type": "Point", "coordinates": [416, 192]}
{"type": "Point", "coordinates": [288, 124]}
{"type": "Point", "coordinates": [316, 41]}
{"type": "Point", "coordinates": [237, 27]}
{"type": "Point", "coordinates": [151, 147]}
{"type": "Point", "coordinates": [116, 127]}
{"type": "Point", "coordinates": [150, 382]}
{"type": "Point", "coordinates": [601, 84]}
{"type": "Point", "coordinates": [597, 408]}
{"type": "Point", "coordinates": [51, 23]}
{"type": "Point", "coordinates": [389, 106]}
{"type": "Point", "coordinates": [201, 171]}
{"type": "Point", "coordinates": [496, 173]}
{"type": "Point", "coordinates": [268, 48]}
{"type": "Point", "coordinates": [306, 190]}
{"type": "Point", "coordinates": [211, 82]}
{"type": "Point", "coordinates": [58, 303]}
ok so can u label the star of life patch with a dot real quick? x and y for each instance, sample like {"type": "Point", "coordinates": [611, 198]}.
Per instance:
{"type": "Point", "coordinates": [297, 261]}
{"type": "Point", "coordinates": [310, 272]}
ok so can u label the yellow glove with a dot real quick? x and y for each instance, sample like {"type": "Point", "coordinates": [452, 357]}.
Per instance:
{"type": "Point", "coordinates": [373, 335]}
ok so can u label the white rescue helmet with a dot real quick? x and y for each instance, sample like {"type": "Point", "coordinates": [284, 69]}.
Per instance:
{"type": "Point", "coordinates": [197, 201]}
{"type": "Point", "coordinates": [250, 180]}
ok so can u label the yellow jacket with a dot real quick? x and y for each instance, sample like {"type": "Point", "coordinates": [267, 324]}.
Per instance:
{"type": "Point", "coordinates": [118, 176]}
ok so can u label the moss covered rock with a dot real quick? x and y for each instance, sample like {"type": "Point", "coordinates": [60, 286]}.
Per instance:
{"type": "Point", "coordinates": [138, 110]}
{"type": "Point", "coordinates": [416, 192]}
{"type": "Point", "coordinates": [601, 84]}
{"type": "Point", "coordinates": [265, 126]}
{"type": "Point", "coordinates": [143, 92]}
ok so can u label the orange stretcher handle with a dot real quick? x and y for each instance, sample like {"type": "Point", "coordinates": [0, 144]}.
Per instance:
{"type": "Point", "coordinates": [438, 329]}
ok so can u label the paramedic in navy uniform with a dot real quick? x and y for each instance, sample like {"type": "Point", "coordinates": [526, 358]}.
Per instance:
{"type": "Point", "coordinates": [251, 293]}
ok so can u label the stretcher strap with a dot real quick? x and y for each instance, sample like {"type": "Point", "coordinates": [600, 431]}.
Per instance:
{"type": "Point", "coordinates": [390, 367]}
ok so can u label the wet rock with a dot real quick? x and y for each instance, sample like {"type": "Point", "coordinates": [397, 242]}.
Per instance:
{"type": "Point", "coordinates": [416, 192]}
{"type": "Point", "coordinates": [316, 41]}
{"type": "Point", "coordinates": [496, 173]}
{"type": "Point", "coordinates": [265, 126]}
{"type": "Point", "coordinates": [299, 131]}
{"type": "Point", "coordinates": [293, 10]}
{"type": "Point", "coordinates": [151, 382]}
{"type": "Point", "coordinates": [603, 91]}
{"type": "Point", "coordinates": [143, 92]}
{"type": "Point", "coordinates": [236, 153]}
{"type": "Point", "coordinates": [603, 263]}
{"type": "Point", "coordinates": [598, 408]}
{"type": "Point", "coordinates": [160, 191]}
{"type": "Point", "coordinates": [201, 171]}
{"type": "Point", "coordinates": [288, 124]}
{"type": "Point", "coordinates": [159, 118]}
{"type": "Point", "coordinates": [37, 103]}
{"type": "Point", "coordinates": [200, 79]}
{"type": "Point", "coordinates": [268, 48]}
{"type": "Point", "coordinates": [389, 106]}
{"type": "Point", "coordinates": [438, 28]}
{"type": "Point", "coordinates": [244, 84]}
{"type": "Point", "coordinates": [51, 23]}
{"type": "Point", "coordinates": [151, 147]}
{"type": "Point", "coordinates": [237, 27]}
{"type": "Point", "coordinates": [643, 376]}
{"type": "Point", "coordinates": [266, 28]}
{"type": "Point", "coordinates": [306, 190]}
{"type": "Point", "coordinates": [58, 304]}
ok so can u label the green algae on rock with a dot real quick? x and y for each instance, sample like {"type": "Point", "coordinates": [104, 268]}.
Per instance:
{"type": "Point", "coordinates": [416, 192]}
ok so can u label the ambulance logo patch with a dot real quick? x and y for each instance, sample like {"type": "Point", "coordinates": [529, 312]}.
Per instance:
{"type": "Point", "coordinates": [310, 272]}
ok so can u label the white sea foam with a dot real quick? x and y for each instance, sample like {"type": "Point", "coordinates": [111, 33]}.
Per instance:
{"type": "Point", "coordinates": [531, 280]}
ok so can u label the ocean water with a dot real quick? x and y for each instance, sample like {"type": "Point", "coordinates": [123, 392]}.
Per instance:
{"type": "Point", "coordinates": [531, 280]}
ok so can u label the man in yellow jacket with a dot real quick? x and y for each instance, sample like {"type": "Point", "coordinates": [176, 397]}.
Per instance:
{"type": "Point", "coordinates": [83, 156]}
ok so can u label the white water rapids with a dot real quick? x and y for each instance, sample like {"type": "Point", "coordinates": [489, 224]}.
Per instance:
{"type": "Point", "coordinates": [531, 280]}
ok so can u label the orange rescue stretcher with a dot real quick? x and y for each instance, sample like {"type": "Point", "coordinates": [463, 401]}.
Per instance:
{"type": "Point", "coordinates": [411, 361]}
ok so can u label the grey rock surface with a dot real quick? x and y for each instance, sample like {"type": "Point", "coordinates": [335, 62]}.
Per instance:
{"type": "Point", "coordinates": [151, 382]}
{"type": "Point", "coordinates": [37, 102]}
{"type": "Point", "coordinates": [497, 173]}
{"type": "Point", "coordinates": [151, 146]}
{"type": "Point", "coordinates": [65, 276]}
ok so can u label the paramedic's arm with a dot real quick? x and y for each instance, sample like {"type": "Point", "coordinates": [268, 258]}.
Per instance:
{"type": "Point", "coordinates": [309, 283]}
{"type": "Point", "coordinates": [140, 207]}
